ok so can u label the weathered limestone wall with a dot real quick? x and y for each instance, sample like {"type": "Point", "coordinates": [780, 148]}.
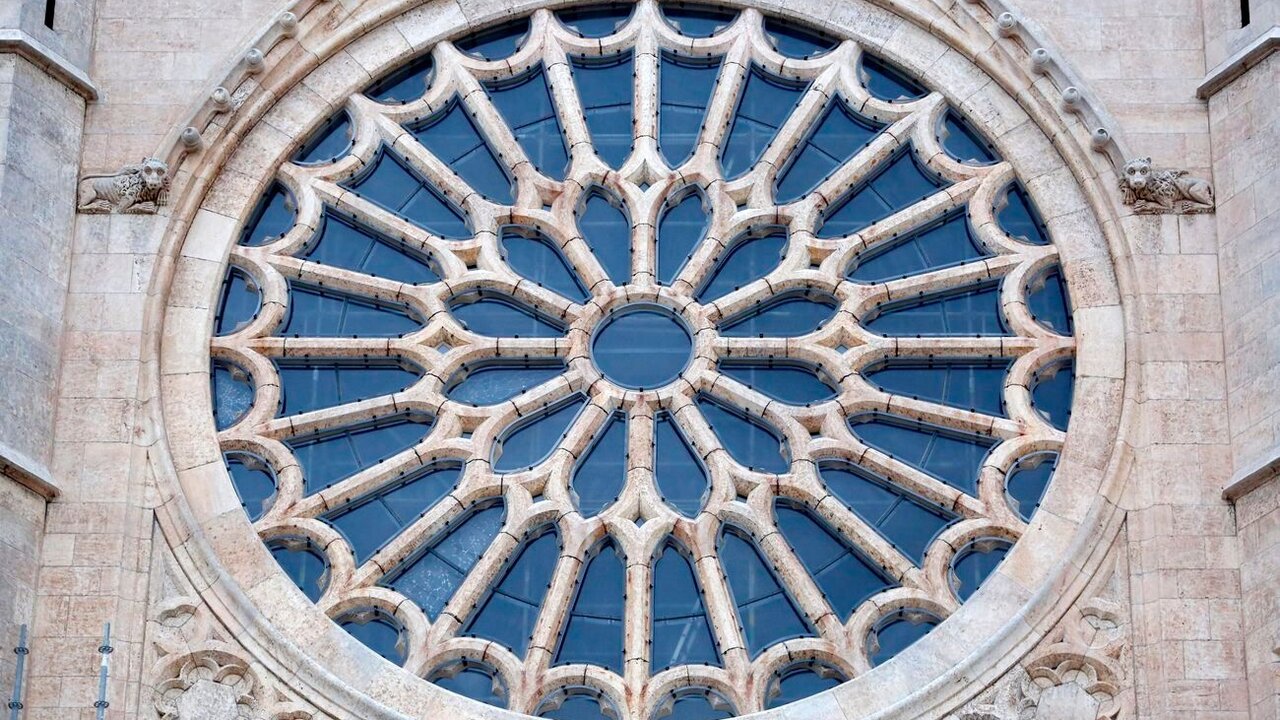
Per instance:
{"type": "Point", "coordinates": [20, 544]}
{"type": "Point", "coordinates": [1258, 514]}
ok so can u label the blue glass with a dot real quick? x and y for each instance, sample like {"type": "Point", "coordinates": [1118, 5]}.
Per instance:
{"type": "Point", "coordinates": [950, 456]}
{"type": "Point", "coordinates": [749, 440]}
{"type": "Point", "coordinates": [698, 20]}
{"type": "Point", "coordinates": [594, 631]}
{"type": "Point", "coordinates": [750, 258]}
{"type": "Point", "coordinates": [473, 680]}
{"type": "Point", "coordinates": [666, 341]}
{"type": "Point", "coordinates": [797, 42]}
{"type": "Point", "coordinates": [303, 562]}
{"type": "Point", "coordinates": [969, 384]}
{"type": "Point", "coordinates": [963, 142]}
{"type": "Point", "coordinates": [897, 185]}
{"type": "Point", "coordinates": [681, 629]}
{"type": "Point", "coordinates": [532, 255]}
{"type": "Point", "coordinates": [898, 632]}
{"type": "Point", "coordinates": [839, 133]}
{"type": "Point", "coordinates": [598, 478]}
{"type": "Point", "coordinates": [431, 576]}
{"type": "Point", "coordinates": [508, 615]}
{"type": "Point", "coordinates": [273, 217]}
{"type": "Point", "coordinates": [1018, 217]}
{"type": "Point", "coordinates": [404, 84]}
{"type": "Point", "coordinates": [699, 704]}
{"type": "Point", "coordinates": [377, 631]}
{"type": "Point", "coordinates": [452, 137]}
{"type": "Point", "coordinates": [308, 384]}
{"type": "Point", "coordinates": [909, 523]}
{"type": "Point", "coordinates": [765, 104]}
{"type": "Point", "coordinates": [525, 103]}
{"type": "Point", "coordinates": [492, 382]}
{"type": "Point", "coordinates": [344, 243]}
{"type": "Point", "coordinates": [1048, 301]}
{"type": "Point", "coordinates": [968, 311]}
{"type": "Point", "coordinates": [681, 477]}
{"type": "Point", "coordinates": [391, 184]}
{"type": "Point", "coordinates": [372, 521]}
{"type": "Point", "coordinates": [254, 481]}
{"type": "Point", "coordinates": [794, 383]}
{"type": "Point", "coordinates": [942, 243]}
{"type": "Point", "coordinates": [327, 313]}
{"type": "Point", "coordinates": [530, 441]}
{"type": "Point", "coordinates": [684, 91]}
{"type": "Point", "coordinates": [1027, 480]}
{"type": "Point", "coordinates": [329, 142]}
{"type": "Point", "coordinates": [232, 393]}
{"type": "Point", "coordinates": [1052, 390]}
{"type": "Point", "coordinates": [605, 90]}
{"type": "Point", "coordinates": [496, 42]}
{"type": "Point", "coordinates": [847, 578]}
{"type": "Point", "coordinates": [494, 315]}
{"type": "Point", "coordinates": [789, 314]}
{"type": "Point", "coordinates": [887, 82]}
{"type": "Point", "coordinates": [764, 609]}
{"type": "Point", "coordinates": [331, 456]}
{"type": "Point", "coordinates": [595, 21]}
{"type": "Point", "coordinates": [239, 304]}
{"type": "Point", "coordinates": [974, 564]}
{"type": "Point", "coordinates": [800, 681]}
{"type": "Point", "coordinates": [581, 707]}
{"type": "Point", "coordinates": [607, 231]}
{"type": "Point", "coordinates": [683, 224]}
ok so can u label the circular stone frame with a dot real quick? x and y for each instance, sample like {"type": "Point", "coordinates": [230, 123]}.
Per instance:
{"type": "Point", "coordinates": [336, 53]}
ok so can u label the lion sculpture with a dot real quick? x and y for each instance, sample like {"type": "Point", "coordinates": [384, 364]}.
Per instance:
{"type": "Point", "coordinates": [134, 189]}
{"type": "Point", "coordinates": [1151, 191]}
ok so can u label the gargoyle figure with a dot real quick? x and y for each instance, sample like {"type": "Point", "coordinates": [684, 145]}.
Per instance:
{"type": "Point", "coordinates": [135, 189]}
{"type": "Point", "coordinates": [1151, 191]}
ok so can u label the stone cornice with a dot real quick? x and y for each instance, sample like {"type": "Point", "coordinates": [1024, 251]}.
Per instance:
{"type": "Point", "coordinates": [1239, 63]}
{"type": "Point", "coordinates": [27, 472]}
{"type": "Point", "coordinates": [1253, 475]}
{"type": "Point", "coordinates": [17, 42]}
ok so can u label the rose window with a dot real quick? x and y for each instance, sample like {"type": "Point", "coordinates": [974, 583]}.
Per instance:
{"type": "Point", "coordinates": [643, 361]}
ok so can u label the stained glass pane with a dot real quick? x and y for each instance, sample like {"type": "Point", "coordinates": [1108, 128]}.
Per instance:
{"type": "Point", "coordinates": [845, 576]}
{"type": "Point", "coordinates": [696, 19]}
{"type": "Point", "coordinates": [390, 183]}
{"type": "Point", "coordinates": [404, 85]}
{"type": "Point", "coordinates": [786, 315]}
{"type": "Point", "coordinates": [431, 577]}
{"type": "Point", "coordinates": [529, 442]}
{"type": "Point", "coordinates": [681, 630]}
{"type": "Point", "coordinates": [239, 304]}
{"type": "Point", "coordinates": [969, 311]}
{"type": "Point", "coordinates": [950, 456]}
{"type": "Point", "coordinates": [1018, 216]}
{"type": "Point", "coordinates": [898, 632]}
{"type": "Point", "coordinates": [963, 142]}
{"type": "Point", "coordinates": [598, 478]}
{"type": "Point", "coordinates": [974, 563]}
{"type": "Point", "coordinates": [888, 82]}
{"type": "Point", "coordinates": [315, 384]}
{"type": "Point", "coordinates": [345, 243]}
{"type": "Point", "coordinates": [683, 225]}
{"type": "Point", "coordinates": [330, 141]}
{"type": "Point", "coordinates": [968, 384]}
{"type": "Point", "coordinates": [909, 523]}
{"type": "Point", "coordinates": [509, 614]}
{"type": "Point", "coordinates": [750, 258]}
{"type": "Point", "coordinates": [372, 521]}
{"type": "Point", "coordinates": [492, 382]}
{"type": "Point", "coordinates": [495, 315]}
{"type": "Point", "coordinates": [594, 630]}
{"type": "Point", "coordinates": [596, 21]}
{"type": "Point", "coordinates": [473, 680]}
{"type": "Point", "coordinates": [605, 90]}
{"type": "Point", "coordinates": [496, 42]}
{"type": "Point", "coordinates": [899, 184]}
{"type": "Point", "coordinates": [1052, 392]}
{"type": "Point", "coordinates": [765, 610]}
{"type": "Point", "coordinates": [526, 105]}
{"type": "Point", "coordinates": [684, 91]}
{"type": "Point", "coordinates": [1027, 481]}
{"type": "Point", "coordinates": [377, 631]}
{"type": "Point", "coordinates": [943, 243]}
{"type": "Point", "coordinates": [797, 42]}
{"type": "Point", "coordinates": [607, 231]}
{"type": "Point", "coordinates": [273, 217]}
{"type": "Point", "coordinates": [452, 137]}
{"type": "Point", "coordinates": [329, 457]}
{"type": "Point", "coordinates": [765, 104]}
{"type": "Point", "coordinates": [680, 475]}
{"type": "Point", "coordinates": [534, 256]}
{"type": "Point", "coordinates": [1048, 301]}
{"type": "Point", "coordinates": [314, 312]}
{"type": "Point", "coordinates": [788, 382]}
{"type": "Point", "coordinates": [749, 440]}
{"type": "Point", "coordinates": [254, 481]}
{"type": "Point", "coordinates": [232, 393]}
{"type": "Point", "coordinates": [303, 562]}
{"type": "Point", "coordinates": [800, 681]}
{"type": "Point", "coordinates": [839, 134]}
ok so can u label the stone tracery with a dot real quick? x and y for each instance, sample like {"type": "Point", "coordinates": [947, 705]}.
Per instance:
{"type": "Point", "coordinates": [639, 521]}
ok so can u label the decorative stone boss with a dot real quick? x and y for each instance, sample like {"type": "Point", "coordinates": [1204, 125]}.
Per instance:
{"type": "Point", "coordinates": [1149, 191]}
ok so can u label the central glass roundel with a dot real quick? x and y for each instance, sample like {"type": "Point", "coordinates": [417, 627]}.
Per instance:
{"type": "Point", "coordinates": [462, 488]}
{"type": "Point", "coordinates": [642, 348]}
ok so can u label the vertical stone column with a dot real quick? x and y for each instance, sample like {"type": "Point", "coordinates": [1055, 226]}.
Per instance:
{"type": "Point", "coordinates": [1243, 91]}
{"type": "Point", "coordinates": [43, 90]}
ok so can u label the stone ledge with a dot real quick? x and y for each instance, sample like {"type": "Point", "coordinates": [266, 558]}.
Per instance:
{"type": "Point", "coordinates": [27, 472]}
{"type": "Point", "coordinates": [17, 42]}
{"type": "Point", "coordinates": [1253, 475]}
{"type": "Point", "coordinates": [1239, 63]}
